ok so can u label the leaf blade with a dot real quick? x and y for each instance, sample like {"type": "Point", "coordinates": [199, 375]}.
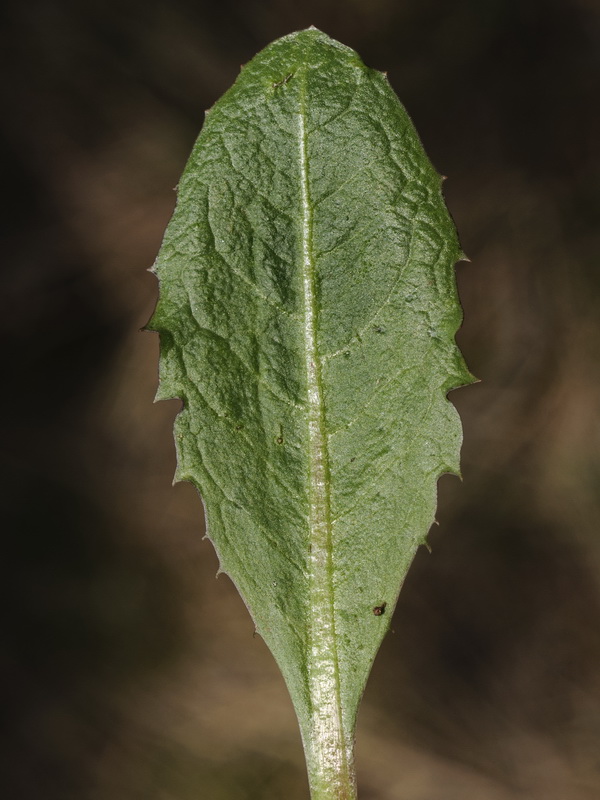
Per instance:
{"type": "Point", "coordinates": [307, 319]}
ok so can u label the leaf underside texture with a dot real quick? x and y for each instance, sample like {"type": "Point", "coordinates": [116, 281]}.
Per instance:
{"type": "Point", "coordinates": [307, 317]}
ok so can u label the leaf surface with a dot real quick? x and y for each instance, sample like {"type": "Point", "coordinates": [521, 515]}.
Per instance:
{"type": "Point", "coordinates": [307, 317]}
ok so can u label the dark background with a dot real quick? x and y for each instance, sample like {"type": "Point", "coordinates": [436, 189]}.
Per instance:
{"type": "Point", "coordinates": [127, 670]}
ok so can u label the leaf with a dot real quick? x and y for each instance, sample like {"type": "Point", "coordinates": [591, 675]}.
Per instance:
{"type": "Point", "coordinates": [307, 316]}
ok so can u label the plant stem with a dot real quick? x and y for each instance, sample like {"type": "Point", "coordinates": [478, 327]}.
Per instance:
{"type": "Point", "coordinates": [330, 771]}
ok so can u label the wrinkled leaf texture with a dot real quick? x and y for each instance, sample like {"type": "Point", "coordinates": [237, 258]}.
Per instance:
{"type": "Point", "coordinates": [307, 317]}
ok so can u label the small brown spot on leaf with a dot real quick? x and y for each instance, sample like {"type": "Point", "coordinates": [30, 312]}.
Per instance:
{"type": "Point", "coordinates": [283, 81]}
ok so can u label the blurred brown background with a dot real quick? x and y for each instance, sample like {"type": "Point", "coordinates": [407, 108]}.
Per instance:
{"type": "Point", "coordinates": [128, 671]}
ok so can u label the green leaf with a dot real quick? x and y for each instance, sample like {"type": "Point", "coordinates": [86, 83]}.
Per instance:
{"type": "Point", "coordinates": [307, 316]}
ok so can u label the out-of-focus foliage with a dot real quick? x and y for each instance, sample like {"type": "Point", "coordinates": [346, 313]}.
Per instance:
{"type": "Point", "coordinates": [127, 673]}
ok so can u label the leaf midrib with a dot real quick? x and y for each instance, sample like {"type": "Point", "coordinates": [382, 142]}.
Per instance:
{"type": "Point", "coordinates": [331, 750]}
